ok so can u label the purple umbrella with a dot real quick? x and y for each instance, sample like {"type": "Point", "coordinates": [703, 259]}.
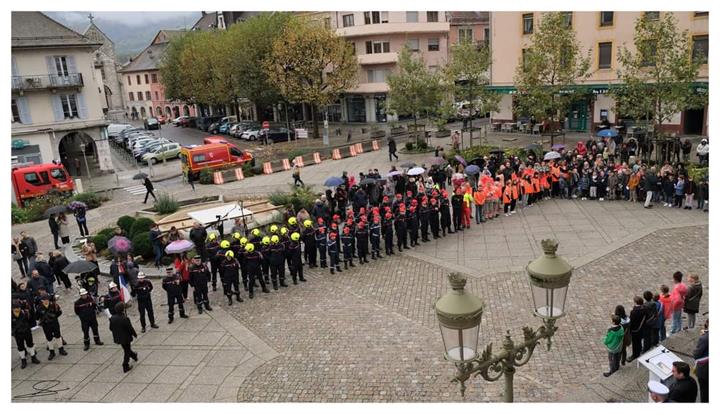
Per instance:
{"type": "Point", "coordinates": [119, 245]}
{"type": "Point", "coordinates": [558, 147]}
{"type": "Point", "coordinates": [461, 160]}
{"type": "Point", "coordinates": [77, 204]}
{"type": "Point", "coordinates": [436, 161]}
{"type": "Point", "coordinates": [394, 173]}
{"type": "Point", "coordinates": [179, 246]}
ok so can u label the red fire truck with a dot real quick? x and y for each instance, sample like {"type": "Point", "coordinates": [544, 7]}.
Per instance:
{"type": "Point", "coordinates": [31, 181]}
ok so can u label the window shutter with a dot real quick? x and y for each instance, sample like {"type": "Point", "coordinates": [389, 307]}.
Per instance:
{"type": "Point", "coordinates": [23, 109]}
{"type": "Point", "coordinates": [71, 64]}
{"type": "Point", "coordinates": [50, 60]}
{"type": "Point", "coordinates": [57, 107]}
{"type": "Point", "coordinates": [82, 109]}
{"type": "Point", "coordinates": [14, 67]}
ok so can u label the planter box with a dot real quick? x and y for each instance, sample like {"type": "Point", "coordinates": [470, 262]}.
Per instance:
{"type": "Point", "coordinates": [377, 134]}
{"type": "Point", "coordinates": [443, 133]}
{"type": "Point", "coordinates": [397, 131]}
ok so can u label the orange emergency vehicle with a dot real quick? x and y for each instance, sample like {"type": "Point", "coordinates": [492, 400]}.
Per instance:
{"type": "Point", "coordinates": [212, 156]}
{"type": "Point", "coordinates": [32, 181]}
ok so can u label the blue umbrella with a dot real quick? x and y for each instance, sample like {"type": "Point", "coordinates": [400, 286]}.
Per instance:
{"type": "Point", "coordinates": [607, 133]}
{"type": "Point", "coordinates": [472, 169]}
{"type": "Point", "coordinates": [334, 182]}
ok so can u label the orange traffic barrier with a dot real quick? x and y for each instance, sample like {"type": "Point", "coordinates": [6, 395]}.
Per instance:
{"type": "Point", "coordinates": [267, 168]}
{"type": "Point", "coordinates": [286, 164]}
{"type": "Point", "coordinates": [336, 154]}
{"type": "Point", "coordinates": [239, 174]}
{"type": "Point", "coordinates": [359, 148]}
{"type": "Point", "coordinates": [218, 177]}
{"type": "Point", "coordinates": [353, 152]}
{"type": "Point", "coordinates": [299, 161]}
{"type": "Point", "coordinates": [376, 145]}
{"type": "Point", "coordinates": [316, 158]}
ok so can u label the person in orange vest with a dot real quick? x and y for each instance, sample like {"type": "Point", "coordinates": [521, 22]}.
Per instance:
{"type": "Point", "coordinates": [515, 187]}
{"type": "Point", "coordinates": [507, 198]}
{"type": "Point", "coordinates": [479, 198]}
{"type": "Point", "coordinates": [545, 181]}
{"type": "Point", "coordinates": [527, 190]}
{"type": "Point", "coordinates": [498, 189]}
{"type": "Point", "coordinates": [489, 200]}
{"type": "Point", "coordinates": [555, 177]}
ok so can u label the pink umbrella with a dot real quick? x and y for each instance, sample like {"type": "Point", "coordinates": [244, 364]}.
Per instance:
{"type": "Point", "coordinates": [119, 245]}
{"type": "Point", "coordinates": [179, 246]}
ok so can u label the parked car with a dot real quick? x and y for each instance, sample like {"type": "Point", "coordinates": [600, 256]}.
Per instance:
{"type": "Point", "coordinates": [250, 134]}
{"type": "Point", "coordinates": [225, 128]}
{"type": "Point", "coordinates": [187, 121]}
{"type": "Point", "coordinates": [114, 130]}
{"type": "Point", "coordinates": [148, 147]}
{"type": "Point", "coordinates": [152, 123]}
{"type": "Point", "coordinates": [279, 135]}
{"type": "Point", "coordinates": [222, 122]}
{"type": "Point", "coordinates": [244, 126]}
{"type": "Point", "coordinates": [204, 123]}
{"type": "Point", "coordinates": [165, 151]}
{"type": "Point", "coordinates": [178, 120]}
{"type": "Point", "coordinates": [162, 119]}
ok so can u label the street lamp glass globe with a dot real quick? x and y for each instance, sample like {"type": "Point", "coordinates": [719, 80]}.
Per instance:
{"type": "Point", "coordinates": [549, 303]}
{"type": "Point", "coordinates": [459, 314]}
{"type": "Point", "coordinates": [460, 344]}
{"type": "Point", "coordinates": [549, 277]}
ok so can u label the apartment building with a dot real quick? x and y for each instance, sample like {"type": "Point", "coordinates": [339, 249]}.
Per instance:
{"type": "Point", "coordinates": [57, 96]}
{"type": "Point", "coordinates": [471, 26]}
{"type": "Point", "coordinates": [601, 33]}
{"type": "Point", "coordinates": [143, 89]}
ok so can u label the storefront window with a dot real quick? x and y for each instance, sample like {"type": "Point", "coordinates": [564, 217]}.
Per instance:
{"type": "Point", "coordinates": [356, 108]}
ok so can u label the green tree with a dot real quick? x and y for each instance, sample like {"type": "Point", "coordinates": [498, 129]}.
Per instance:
{"type": "Point", "coordinates": [414, 89]}
{"type": "Point", "coordinates": [171, 70]}
{"type": "Point", "coordinates": [310, 63]}
{"type": "Point", "coordinates": [549, 70]}
{"type": "Point", "coordinates": [657, 77]}
{"type": "Point", "coordinates": [468, 75]}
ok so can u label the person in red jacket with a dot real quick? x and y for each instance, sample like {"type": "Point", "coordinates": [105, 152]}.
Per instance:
{"type": "Point", "coordinates": [666, 302]}
{"type": "Point", "coordinates": [677, 296]}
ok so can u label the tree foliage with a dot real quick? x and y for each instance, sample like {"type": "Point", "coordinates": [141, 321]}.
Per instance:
{"type": "Point", "coordinates": [657, 76]}
{"type": "Point", "coordinates": [310, 63]}
{"type": "Point", "coordinates": [552, 66]}
{"type": "Point", "coordinates": [414, 89]}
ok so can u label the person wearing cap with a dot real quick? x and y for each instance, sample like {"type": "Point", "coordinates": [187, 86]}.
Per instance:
{"type": "Point", "coordinates": [142, 291]}
{"type": "Point", "coordinates": [445, 217]}
{"type": "Point", "coordinates": [276, 253]}
{"type": "Point", "coordinates": [308, 239]}
{"type": "Point", "coordinates": [22, 332]}
{"type": "Point", "coordinates": [401, 227]}
{"type": "Point", "coordinates": [198, 235]}
{"type": "Point", "coordinates": [48, 314]}
{"type": "Point", "coordinates": [230, 277]}
{"type": "Point", "coordinates": [387, 229]}
{"type": "Point", "coordinates": [171, 286]}
{"type": "Point", "coordinates": [86, 309]}
{"type": "Point", "coordinates": [658, 391]}
{"type": "Point", "coordinates": [212, 245]}
{"type": "Point", "coordinates": [199, 279]}
{"type": "Point", "coordinates": [684, 389]}
{"type": "Point", "coordinates": [111, 299]}
{"type": "Point", "coordinates": [434, 218]}
{"type": "Point", "coordinates": [346, 239]}
{"type": "Point", "coordinates": [123, 334]}
{"type": "Point", "coordinates": [321, 244]}
{"type": "Point", "coordinates": [253, 264]}
{"type": "Point", "coordinates": [702, 151]}
{"type": "Point", "coordinates": [334, 253]}
{"type": "Point", "coordinates": [296, 265]}
{"type": "Point", "coordinates": [362, 237]}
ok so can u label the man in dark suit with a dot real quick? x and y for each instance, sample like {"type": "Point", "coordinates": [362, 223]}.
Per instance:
{"type": "Point", "coordinates": [123, 334]}
{"type": "Point", "coordinates": [54, 229]}
{"type": "Point", "coordinates": [685, 388]}
{"type": "Point", "coordinates": [638, 315]}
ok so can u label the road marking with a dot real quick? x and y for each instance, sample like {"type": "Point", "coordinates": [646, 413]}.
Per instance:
{"type": "Point", "coordinates": [135, 189]}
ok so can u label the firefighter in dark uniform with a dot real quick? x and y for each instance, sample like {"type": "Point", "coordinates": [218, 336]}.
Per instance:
{"type": "Point", "coordinates": [334, 253]}
{"type": "Point", "coordinates": [412, 223]}
{"type": "Point", "coordinates": [401, 227]}
{"type": "Point", "coordinates": [48, 313]}
{"type": "Point", "coordinates": [308, 237]}
{"type": "Point", "coordinates": [265, 253]}
{"type": "Point", "coordinates": [435, 218]}
{"type": "Point", "coordinates": [285, 240]}
{"type": "Point", "coordinates": [388, 233]}
{"type": "Point", "coordinates": [253, 263]}
{"type": "Point", "coordinates": [293, 226]}
{"type": "Point", "coordinates": [27, 303]}
{"type": "Point", "coordinates": [142, 291]}
{"type": "Point", "coordinates": [375, 235]}
{"type": "Point", "coordinates": [361, 234]}
{"type": "Point", "coordinates": [350, 223]}
{"type": "Point", "coordinates": [445, 219]}
{"type": "Point", "coordinates": [86, 309]}
{"type": "Point", "coordinates": [211, 249]}
{"type": "Point", "coordinates": [424, 220]}
{"type": "Point", "coordinates": [230, 277]}
{"type": "Point", "coordinates": [321, 245]}
{"type": "Point", "coordinates": [171, 285]}
{"type": "Point", "coordinates": [22, 332]}
{"type": "Point", "coordinates": [240, 257]}
{"type": "Point", "coordinates": [277, 262]}
{"type": "Point", "coordinates": [457, 201]}
{"type": "Point", "coordinates": [346, 239]}
{"type": "Point", "coordinates": [199, 278]}
{"type": "Point", "coordinates": [296, 266]}
{"type": "Point", "coordinates": [111, 299]}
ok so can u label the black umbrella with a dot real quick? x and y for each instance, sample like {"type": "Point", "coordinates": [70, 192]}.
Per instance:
{"type": "Point", "coordinates": [56, 210]}
{"type": "Point", "coordinates": [408, 165]}
{"type": "Point", "coordinates": [367, 181]}
{"type": "Point", "coordinates": [140, 176]}
{"type": "Point", "coordinates": [80, 266]}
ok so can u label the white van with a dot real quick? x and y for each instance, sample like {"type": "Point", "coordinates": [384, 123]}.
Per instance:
{"type": "Point", "coordinates": [114, 130]}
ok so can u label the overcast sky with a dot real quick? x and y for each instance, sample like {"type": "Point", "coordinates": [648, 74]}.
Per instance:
{"type": "Point", "coordinates": [132, 18]}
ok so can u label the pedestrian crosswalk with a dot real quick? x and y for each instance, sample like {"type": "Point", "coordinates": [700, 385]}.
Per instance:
{"type": "Point", "coordinates": [135, 189]}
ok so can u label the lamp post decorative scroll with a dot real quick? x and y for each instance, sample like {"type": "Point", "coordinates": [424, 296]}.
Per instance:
{"type": "Point", "coordinates": [459, 314]}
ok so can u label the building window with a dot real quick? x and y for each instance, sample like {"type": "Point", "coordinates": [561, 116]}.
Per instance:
{"type": "Point", "coordinates": [414, 45]}
{"type": "Point", "coordinates": [61, 66]}
{"type": "Point", "coordinates": [137, 78]}
{"type": "Point", "coordinates": [465, 34]}
{"type": "Point", "coordinates": [701, 14]}
{"type": "Point", "coordinates": [700, 48]}
{"type": "Point", "coordinates": [132, 96]}
{"type": "Point", "coordinates": [433, 45]}
{"type": "Point", "coordinates": [69, 106]}
{"type": "Point", "coordinates": [648, 53]}
{"type": "Point", "coordinates": [377, 47]}
{"type": "Point", "coordinates": [383, 17]}
{"type": "Point", "coordinates": [411, 17]}
{"type": "Point", "coordinates": [147, 79]}
{"type": "Point", "coordinates": [567, 19]}
{"type": "Point", "coordinates": [352, 44]}
{"type": "Point", "coordinates": [605, 55]}
{"type": "Point", "coordinates": [527, 23]}
{"type": "Point", "coordinates": [606, 18]}
{"type": "Point", "coordinates": [377, 75]}
{"type": "Point", "coordinates": [157, 96]}
{"type": "Point", "coordinates": [376, 17]}
{"type": "Point", "coordinates": [487, 36]}
{"type": "Point", "coordinates": [147, 96]}
{"type": "Point", "coordinates": [652, 15]}
{"type": "Point", "coordinates": [432, 17]}
{"type": "Point", "coordinates": [15, 111]}
{"type": "Point", "coordinates": [327, 22]}
{"type": "Point", "coordinates": [154, 78]}
{"type": "Point", "coordinates": [348, 20]}
{"type": "Point", "coordinates": [129, 81]}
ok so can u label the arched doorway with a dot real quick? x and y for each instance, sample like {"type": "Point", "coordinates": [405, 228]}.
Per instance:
{"type": "Point", "coordinates": [158, 111]}
{"type": "Point", "coordinates": [134, 113]}
{"type": "Point", "coordinates": [71, 148]}
{"type": "Point", "coordinates": [151, 111]}
{"type": "Point", "coordinates": [168, 112]}
{"type": "Point", "coordinates": [186, 110]}
{"type": "Point", "coordinates": [143, 113]}
{"type": "Point", "coordinates": [176, 112]}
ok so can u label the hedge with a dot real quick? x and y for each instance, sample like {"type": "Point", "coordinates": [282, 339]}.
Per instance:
{"type": "Point", "coordinates": [125, 223]}
{"type": "Point", "coordinates": [141, 225]}
{"type": "Point", "coordinates": [142, 245]}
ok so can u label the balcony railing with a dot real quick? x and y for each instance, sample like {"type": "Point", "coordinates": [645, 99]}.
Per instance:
{"type": "Point", "coordinates": [36, 82]}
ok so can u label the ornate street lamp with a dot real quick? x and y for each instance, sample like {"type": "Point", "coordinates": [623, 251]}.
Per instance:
{"type": "Point", "coordinates": [459, 314]}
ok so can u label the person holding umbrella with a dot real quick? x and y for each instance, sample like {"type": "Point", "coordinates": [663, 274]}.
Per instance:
{"type": "Point", "coordinates": [392, 149]}
{"type": "Point", "coordinates": [123, 334]}
{"type": "Point", "coordinates": [79, 211]}
{"type": "Point", "coordinates": [86, 309]}
{"type": "Point", "coordinates": [54, 229]}
{"type": "Point", "coordinates": [58, 262]}
{"type": "Point", "coordinates": [63, 229]}
{"type": "Point", "coordinates": [149, 189]}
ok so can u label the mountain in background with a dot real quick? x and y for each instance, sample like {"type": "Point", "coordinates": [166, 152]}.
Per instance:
{"type": "Point", "coordinates": [129, 38]}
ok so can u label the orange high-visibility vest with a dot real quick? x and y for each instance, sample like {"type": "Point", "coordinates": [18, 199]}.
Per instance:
{"type": "Point", "coordinates": [555, 173]}
{"type": "Point", "coordinates": [515, 191]}
{"type": "Point", "coordinates": [536, 185]}
{"type": "Point", "coordinates": [528, 187]}
{"type": "Point", "coordinates": [479, 197]}
{"type": "Point", "coordinates": [545, 182]}
{"type": "Point", "coordinates": [506, 195]}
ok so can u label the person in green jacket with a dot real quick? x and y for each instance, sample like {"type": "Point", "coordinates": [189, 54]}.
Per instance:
{"type": "Point", "coordinates": [614, 342]}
